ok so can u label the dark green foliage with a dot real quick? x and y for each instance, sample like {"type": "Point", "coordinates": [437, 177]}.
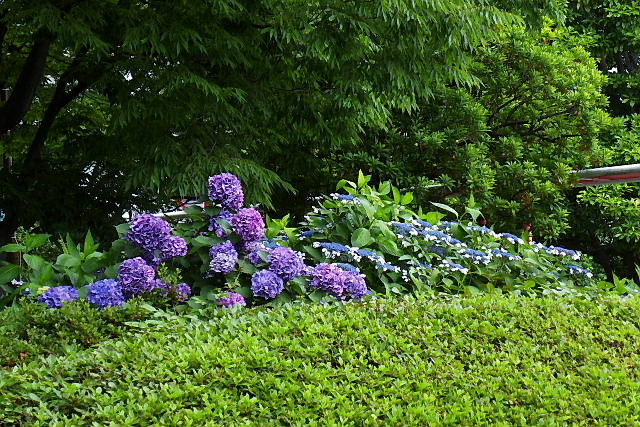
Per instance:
{"type": "Point", "coordinates": [30, 329]}
{"type": "Point", "coordinates": [510, 143]}
{"type": "Point", "coordinates": [467, 361]}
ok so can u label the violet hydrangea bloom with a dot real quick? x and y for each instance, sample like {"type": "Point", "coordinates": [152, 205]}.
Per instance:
{"type": "Point", "coordinates": [183, 292]}
{"type": "Point", "coordinates": [105, 293]}
{"type": "Point", "coordinates": [147, 232]}
{"type": "Point", "coordinates": [57, 296]}
{"type": "Point", "coordinates": [224, 258]}
{"type": "Point", "coordinates": [354, 285]}
{"type": "Point", "coordinates": [232, 299]}
{"type": "Point", "coordinates": [254, 249]}
{"type": "Point", "coordinates": [329, 278]}
{"type": "Point", "coordinates": [266, 284]}
{"type": "Point", "coordinates": [248, 224]}
{"type": "Point", "coordinates": [226, 188]}
{"type": "Point", "coordinates": [136, 277]}
{"type": "Point", "coordinates": [173, 246]}
{"type": "Point", "coordinates": [215, 227]}
{"type": "Point", "coordinates": [286, 263]}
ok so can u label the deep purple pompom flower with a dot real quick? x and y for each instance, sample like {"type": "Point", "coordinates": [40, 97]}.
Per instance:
{"type": "Point", "coordinates": [55, 297]}
{"type": "Point", "coordinates": [105, 293]}
{"type": "Point", "coordinates": [173, 246]}
{"type": "Point", "coordinates": [232, 299]}
{"type": "Point", "coordinates": [354, 285]}
{"type": "Point", "coordinates": [183, 292]}
{"type": "Point", "coordinates": [248, 224]}
{"type": "Point", "coordinates": [266, 284]}
{"type": "Point", "coordinates": [254, 249]}
{"type": "Point", "coordinates": [136, 277]}
{"type": "Point", "coordinates": [226, 188]}
{"type": "Point", "coordinates": [224, 258]}
{"type": "Point", "coordinates": [286, 263]}
{"type": "Point", "coordinates": [329, 278]}
{"type": "Point", "coordinates": [215, 227]}
{"type": "Point", "coordinates": [147, 232]}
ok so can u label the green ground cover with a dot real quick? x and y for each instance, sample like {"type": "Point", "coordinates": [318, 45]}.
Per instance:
{"type": "Point", "coordinates": [483, 360]}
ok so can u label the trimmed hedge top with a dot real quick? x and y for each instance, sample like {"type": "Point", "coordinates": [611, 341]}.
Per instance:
{"type": "Point", "coordinates": [487, 360]}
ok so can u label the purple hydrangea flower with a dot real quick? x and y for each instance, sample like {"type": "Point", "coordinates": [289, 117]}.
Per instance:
{"type": "Point", "coordinates": [254, 249]}
{"type": "Point", "coordinates": [147, 232]}
{"type": "Point", "coordinates": [136, 277]}
{"type": "Point", "coordinates": [248, 224]}
{"type": "Point", "coordinates": [226, 188]}
{"type": "Point", "coordinates": [224, 258]}
{"type": "Point", "coordinates": [215, 227]}
{"type": "Point", "coordinates": [286, 263]}
{"type": "Point", "coordinates": [354, 285]}
{"type": "Point", "coordinates": [105, 293]}
{"type": "Point", "coordinates": [329, 278]}
{"type": "Point", "coordinates": [57, 296]}
{"type": "Point", "coordinates": [232, 299]}
{"type": "Point", "coordinates": [183, 292]}
{"type": "Point", "coordinates": [266, 284]}
{"type": "Point", "coordinates": [173, 246]}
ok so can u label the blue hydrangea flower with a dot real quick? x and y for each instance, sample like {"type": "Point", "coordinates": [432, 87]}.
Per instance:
{"type": "Point", "coordinates": [329, 278]}
{"type": "Point", "coordinates": [232, 299]}
{"type": "Point", "coordinates": [226, 188]}
{"type": "Point", "coordinates": [405, 229]}
{"type": "Point", "coordinates": [482, 230]}
{"type": "Point", "coordinates": [366, 253]}
{"type": "Point", "coordinates": [248, 224]}
{"type": "Point", "coordinates": [136, 277]}
{"type": "Point", "coordinates": [425, 224]}
{"type": "Point", "coordinates": [563, 252]}
{"type": "Point", "coordinates": [266, 284]}
{"type": "Point", "coordinates": [105, 293]}
{"type": "Point", "coordinates": [511, 238]}
{"type": "Point", "coordinates": [437, 250]}
{"type": "Point", "coordinates": [576, 270]}
{"type": "Point", "coordinates": [306, 234]}
{"type": "Point", "coordinates": [348, 267]}
{"type": "Point", "coordinates": [475, 255]}
{"type": "Point", "coordinates": [385, 266]}
{"type": "Point", "coordinates": [224, 258]}
{"type": "Point", "coordinates": [454, 267]}
{"type": "Point", "coordinates": [56, 297]}
{"type": "Point", "coordinates": [331, 249]}
{"type": "Point", "coordinates": [286, 263]}
{"type": "Point", "coordinates": [214, 226]}
{"type": "Point", "coordinates": [172, 247]}
{"type": "Point", "coordinates": [500, 253]}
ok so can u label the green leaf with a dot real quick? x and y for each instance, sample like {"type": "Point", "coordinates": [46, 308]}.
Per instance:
{"type": "Point", "coordinates": [13, 247]}
{"type": "Point", "coordinates": [445, 207]}
{"type": "Point", "coordinates": [68, 261]}
{"type": "Point", "coordinates": [390, 247]}
{"type": "Point", "coordinates": [434, 217]}
{"type": "Point", "coordinates": [34, 241]}
{"type": "Point", "coordinates": [361, 238]}
{"type": "Point", "coordinates": [122, 229]}
{"type": "Point", "coordinates": [396, 195]}
{"type": "Point", "coordinates": [34, 262]}
{"type": "Point", "coordinates": [9, 272]}
{"type": "Point", "coordinates": [406, 199]}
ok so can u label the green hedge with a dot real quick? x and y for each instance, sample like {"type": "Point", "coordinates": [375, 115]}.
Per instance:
{"type": "Point", "coordinates": [487, 360]}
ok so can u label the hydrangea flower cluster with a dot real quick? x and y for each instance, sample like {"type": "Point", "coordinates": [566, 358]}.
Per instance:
{"type": "Point", "coordinates": [214, 226]}
{"type": "Point", "coordinates": [286, 263]}
{"type": "Point", "coordinates": [226, 188]}
{"type": "Point", "coordinates": [232, 299]}
{"type": "Point", "coordinates": [266, 284]}
{"type": "Point", "coordinates": [153, 236]}
{"type": "Point", "coordinates": [224, 258]}
{"type": "Point", "coordinates": [579, 271]}
{"type": "Point", "coordinates": [249, 225]}
{"type": "Point", "coordinates": [56, 297]}
{"type": "Point", "coordinates": [339, 283]}
{"type": "Point", "coordinates": [136, 277]}
{"type": "Point", "coordinates": [105, 293]}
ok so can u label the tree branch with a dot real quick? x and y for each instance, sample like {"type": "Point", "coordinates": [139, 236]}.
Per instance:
{"type": "Point", "coordinates": [14, 110]}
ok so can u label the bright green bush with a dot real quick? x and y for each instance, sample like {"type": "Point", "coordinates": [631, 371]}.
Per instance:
{"type": "Point", "coordinates": [31, 329]}
{"type": "Point", "coordinates": [487, 360]}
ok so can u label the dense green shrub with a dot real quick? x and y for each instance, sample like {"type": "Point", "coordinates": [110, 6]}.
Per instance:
{"type": "Point", "coordinates": [487, 360]}
{"type": "Point", "coordinates": [31, 329]}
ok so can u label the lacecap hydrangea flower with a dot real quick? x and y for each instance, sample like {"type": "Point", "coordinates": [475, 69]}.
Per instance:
{"type": "Point", "coordinates": [286, 263]}
{"type": "Point", "coordinates": [136, 277]}
{"type": "Point", "coordinates": [226, 188]}
{"type": "Point", "coordinates": [248, 224]}
{"type": "Point", "coordinates": [266, 284]}
{"type": "Point", "coordinates": [56, 297]}
{"type": "Point", "coordinates": [232, 299]}
{"type": "Point", "coordinates": [105, 293]}
{"type": "Point", "coordinates": [224, 258]}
